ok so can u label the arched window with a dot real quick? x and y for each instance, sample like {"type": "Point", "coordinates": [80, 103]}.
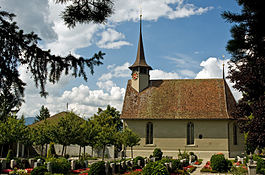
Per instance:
{"type": "Point", "coordinates": [190, 133]}
{"type": "Point", "coordinates": [149, 133]}
{"type": "Point", "coordinates": [235, 134]}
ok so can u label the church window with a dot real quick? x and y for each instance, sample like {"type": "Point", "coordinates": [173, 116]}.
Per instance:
{"type": "Point", "coordinates": [190, 133]}
{"type": "Point", "coordinates": [149, 133]}
{"type": "Point", "coordinates": [235, 134]}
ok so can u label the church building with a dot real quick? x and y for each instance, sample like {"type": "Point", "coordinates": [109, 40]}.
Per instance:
{"type": "Point", "coordinates": [186, 114]}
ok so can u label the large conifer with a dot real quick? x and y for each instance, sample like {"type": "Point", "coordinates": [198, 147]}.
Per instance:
{"type": "Point", "coordinates": [247, 47]}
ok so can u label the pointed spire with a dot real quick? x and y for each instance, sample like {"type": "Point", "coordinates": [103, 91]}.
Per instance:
{"type": "Point", "coordinates": [140, 58]}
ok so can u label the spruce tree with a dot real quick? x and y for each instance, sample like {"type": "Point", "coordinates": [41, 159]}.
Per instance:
{"type": "Point", "coordinates": [247, 70]}
{"type": "Point", "coordinates": [44, 114]}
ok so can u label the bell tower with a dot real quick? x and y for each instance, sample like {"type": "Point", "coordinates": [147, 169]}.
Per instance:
{"type": "Point", "coordinates": [140, 69]}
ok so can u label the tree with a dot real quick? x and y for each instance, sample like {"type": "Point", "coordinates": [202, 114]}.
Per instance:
{"type": "Point", "coordinates": [67, 130]}
{"type": "Point", "coordinates": [18, 48]}
{"type": "Point", "coordinates": [44, 114]}
{"type": "Point", "coordinates": [130, 139]}
{"type": "Point", "coordinates": [86, 11]}
{"type": "Point", "coordinates": [12, 131]}
{"type": "Point", "coordinates": [43, 134]}
{"type": "Point", "coordinates": [107, 124]}
{"type": "Point", "coordinates": [247, 47]}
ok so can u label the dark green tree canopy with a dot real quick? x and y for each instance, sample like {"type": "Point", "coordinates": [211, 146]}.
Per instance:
{"type": "Point", "coordinates": [86, 11]}
{"type": "Point", "coordinates": [44, 114]}
{"type": "Point", "coordinates": [247, 47]}
{"type": "Point", "coordinates": [19, 48]}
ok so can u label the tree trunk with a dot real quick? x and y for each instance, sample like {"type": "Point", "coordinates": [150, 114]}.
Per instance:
{"type": "Point", "coordinates": [28, 150]}
{"type": "Point", "coordinates": [1, 153]}
{"type": "Point", "coordinates": [79, 152]}
{"type": "Point", "coordinates": [103, 152]}
{"type": "Point", "coordinates": [84, 150]}
{"type": "Point", "coordinates": [132, 152]}
{"type": "Point", "coordinates": [41, 152]}
{"type": "Point", "coordinates": [63, 150]}
{"type": "Point", "coordinates": [92, 148]}
{"type": "Point", "coordinates": [46, 149]}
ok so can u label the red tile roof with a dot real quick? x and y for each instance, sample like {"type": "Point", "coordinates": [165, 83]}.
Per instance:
{"type": "Point", "coordinates": [179, 99]}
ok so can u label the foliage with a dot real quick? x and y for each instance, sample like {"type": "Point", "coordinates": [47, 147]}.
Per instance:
{"type": "Point", "coordinates": [68, 129]}
{"type": "Point", "coordinates": [40, 170]}
{"type": "Point", "coordinates": [238, 171]}
{"type": "Point", "coordinates": [185, 156]}
{"type": "Point", "coordinates": [42, 134]}
{"type": "Point", "coordinates": [131, 139]}
{"type": "Point", "coordinates": [107, 124]}
{"type": "Point", "coordinates": [86, 11]}
{"type": "Point", "coordinates": [176, 164]}
{"type": "Point", "coordinates": [157, 153]}
{"type": "Point", "coordinates": [51, 151]}
{"type": "Point", "coordinates": [44, 114]}
{"type": "Point", "coordinates": [219, 163]}
{"type": "Point", "coordinates": [9, 155]}
{"type": "Point", "coordinates": [12, 130]}
{"type": "Point", "coordinates": [155, 168]}
{"type": "Point", "coordinates": [60, 165]}
{"type": "Point", "coordinates": [18, 48]}
{"type": "Point", "coordinates": [247, 68]}
{"type": "Point", "coordinates": [260, 164]}
{"type": "Point", "coordinates": [97, 168]}
{"type": "Point", "coordinates": [135, 161]}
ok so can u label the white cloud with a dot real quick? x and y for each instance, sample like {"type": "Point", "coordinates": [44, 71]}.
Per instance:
{"type": "Point", "coordinates": [116, 72]}
{"type": "Point", "coordinates": [212, 68]}
{"type": "Point", "coordinates": [159, 74]}
{"type": "Point", "coordinates": [32, 16]}
{"type": "Point", "coordinates": [127, 10]}
{"type": "Point", "coordinates": [110, 39]}
{"type": "Point", "coordinates": [187, 73]}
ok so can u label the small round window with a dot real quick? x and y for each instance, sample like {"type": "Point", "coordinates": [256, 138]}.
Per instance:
{"type": "Point", "coordinates": [200, 136]}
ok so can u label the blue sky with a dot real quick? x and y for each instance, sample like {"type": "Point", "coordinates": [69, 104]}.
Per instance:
{"type": "Point", "coordinates": [182, 39]}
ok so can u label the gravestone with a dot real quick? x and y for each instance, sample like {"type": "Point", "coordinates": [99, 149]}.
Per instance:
{"type": "Point", "coordinates": [139, 163]}
{"type": "Point", "coordinates": [86, 163]}
{"type": "Point", "coordinates": [39, 161]}
{"type": "Point", "coordinates": [3, 164]}
{"type": "Point", "coordinates": [12, 164]}
{"type": "Point", "coordinates": [35, 164]}
{"type": "Point", "coordinates": [49, 167]}
{"type": "Point", "coordinates": [112, 166]}
{"type": "Point", "coordinates": [107, 168]}
{"type": "Point", "coordinates": [72, 164]}
{"type": "Point", "coordinates": [31, 163]}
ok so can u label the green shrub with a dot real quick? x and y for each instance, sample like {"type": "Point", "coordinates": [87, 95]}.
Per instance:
{"type": "Point", "coordinates": [51, 151]}
{"type": "Point", "coordinates": [238, 171]}
{"type": "Point", "coordinates": [260, 165]}
{"type": "Point", "coordinates": [184, 155]}
{"type": "Point", "coordinates": [176, 165]}
{"type": "Point", "coordinates": [79, 164]}
{"type": "Point", "coordinates": [135, 162]}
{"type": "Point", "coordinates": [157, 154]}
{"type": "Point", "coordinates": [155, 168]}
{"type": "Point", "coordinates": [40, 170]}
{"type": "Point", "coordinates": [219, 163]}
{"type": "Point", "coordinates": [97, 168]}
{"type": "Point", "coordinates": [59, 165]}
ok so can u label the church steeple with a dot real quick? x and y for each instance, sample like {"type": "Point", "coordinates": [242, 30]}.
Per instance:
{"type": "Point", "coordinates": [140, 69]}
{"type": "Point", "coordinates": [140, 58]}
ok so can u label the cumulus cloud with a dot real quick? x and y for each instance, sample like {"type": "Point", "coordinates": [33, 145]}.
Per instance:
{"type": "Point", "coordinates": [111, 39]}
{"type": "Point", "coordinates": [32, 16]}
{"type": "Point", "coordinates": [127, 10]}
{"type": "Point", "coordinates": [80, 98]}
{"type": "Point", "coordinates": [116, 72]}
{"type": "Point", "coordinates": [159, 74]}
{"type": "Point", "coordinates": [213, 68]}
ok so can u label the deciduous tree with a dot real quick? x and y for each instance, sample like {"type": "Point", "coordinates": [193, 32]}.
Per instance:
{"type": "Point", "coordinates": [130, 139]}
